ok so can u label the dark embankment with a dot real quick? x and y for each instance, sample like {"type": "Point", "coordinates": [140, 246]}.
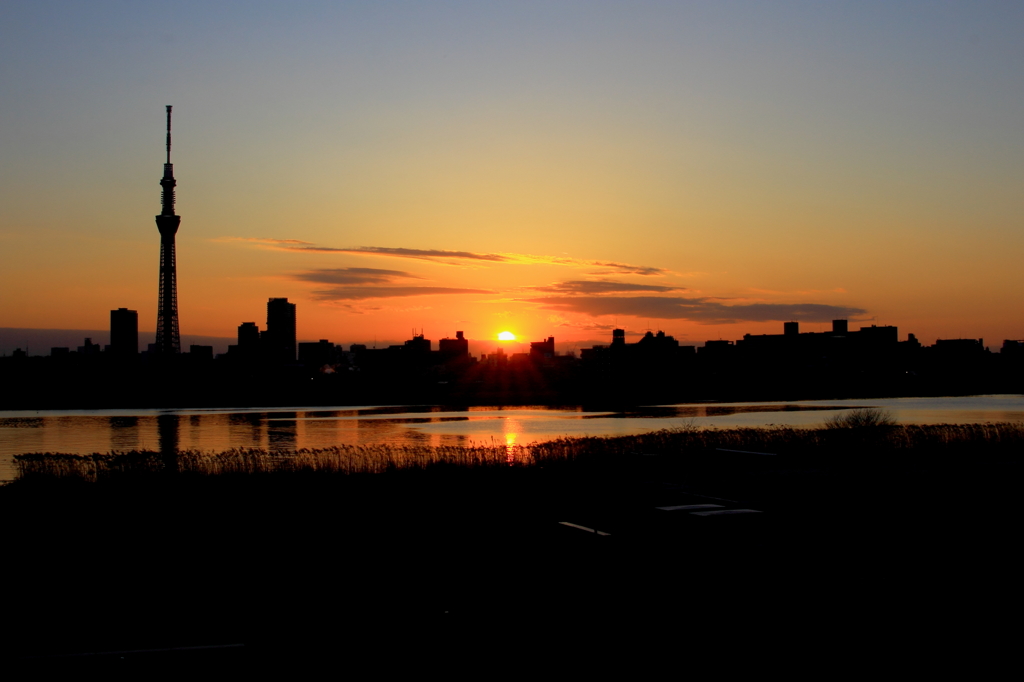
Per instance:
{"type": "Point", "coordinates": [874, 535]}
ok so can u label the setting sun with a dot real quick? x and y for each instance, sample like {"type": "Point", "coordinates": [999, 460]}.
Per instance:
{"type": "Point", "coordinates": [506, 336]}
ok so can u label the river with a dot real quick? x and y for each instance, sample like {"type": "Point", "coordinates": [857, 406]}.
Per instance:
{"type": "Point", "coordinates": [285, 429]}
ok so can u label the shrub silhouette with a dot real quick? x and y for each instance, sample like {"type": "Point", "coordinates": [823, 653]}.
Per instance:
{"type": "Point", "coordinates": [860, 418]}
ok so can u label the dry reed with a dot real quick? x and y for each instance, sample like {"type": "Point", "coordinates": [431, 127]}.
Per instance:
{"type": "Point", "coordinates": [869, 439]}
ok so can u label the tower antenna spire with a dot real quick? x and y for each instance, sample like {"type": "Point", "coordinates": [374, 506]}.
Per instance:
{"type": "Point", "coordinates": [168, 133]}
{"type": "Point", "coordinates": [168, 340]}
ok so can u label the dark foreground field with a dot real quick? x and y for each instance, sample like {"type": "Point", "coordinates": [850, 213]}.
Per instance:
{"type": "Point", "coordinates": [869, 542]}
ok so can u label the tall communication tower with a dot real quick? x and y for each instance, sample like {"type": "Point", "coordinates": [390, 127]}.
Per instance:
{"type": "Point", "coordinates": [167, 338]}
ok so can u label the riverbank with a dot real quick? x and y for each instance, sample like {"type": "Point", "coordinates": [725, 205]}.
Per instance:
{"type": "Point", "coordinates": [600, 539]}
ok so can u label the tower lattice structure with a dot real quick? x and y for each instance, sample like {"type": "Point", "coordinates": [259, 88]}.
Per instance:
{"type": "Point", "coordinates": [168, 340]}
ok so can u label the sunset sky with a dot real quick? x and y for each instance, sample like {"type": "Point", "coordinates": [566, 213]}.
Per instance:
{"type": "Point", "coordinates": [550, 168]}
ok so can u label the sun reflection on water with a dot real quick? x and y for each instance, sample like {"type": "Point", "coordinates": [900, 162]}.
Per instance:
{"type": "Point", "coordinates": [512, 429]}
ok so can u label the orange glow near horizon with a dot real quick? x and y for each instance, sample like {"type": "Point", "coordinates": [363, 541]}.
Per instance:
{"type": "Point", "coordinates": [411, 174]}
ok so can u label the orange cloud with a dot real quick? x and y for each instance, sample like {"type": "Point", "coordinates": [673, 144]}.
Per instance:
{"type": "Point", "coordinates": [696, 309]}
{"type": "Point", "coordinates": [360, 293]}
{"type": "Point", "coordinates": [447, 257]}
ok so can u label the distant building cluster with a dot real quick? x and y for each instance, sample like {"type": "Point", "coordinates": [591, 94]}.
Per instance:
{"type": "Point", "coordinates": [841, 362]}
{"type": "Point", "coordinates": [277, 344]}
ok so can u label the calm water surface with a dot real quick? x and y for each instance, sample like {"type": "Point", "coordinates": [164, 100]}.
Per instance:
{"type": "Point", "coordinates": [86, 431]}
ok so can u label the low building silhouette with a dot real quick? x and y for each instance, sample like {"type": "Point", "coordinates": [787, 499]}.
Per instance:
{"type": "Point", "coordinates": [318, 354]}
{"type": "Point", "coordinates": [1012, 348]}
{"type": "Point", "coordinates": [418, 346]}
{"type": "Point", "coordinates": [960, 348]}
{"type": "Point", "coordinates": [717, 350]}
{"type": "Point", "coordinates": [89, 348]}
{"type": "Point", "coordinates": [247, 350]}
{"type": "Point", "coordinates": [654, 366]}
{"type": "Point", "coordinates": [542, 350]}
{"type": "Point", "coordinates": [248, 336]}
{"type": "Point", "coordinates": [496, 359]}
{"type": "Point", "coordinates": [453, 349]}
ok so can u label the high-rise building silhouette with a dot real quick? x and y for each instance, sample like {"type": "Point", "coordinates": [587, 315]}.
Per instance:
{"type": "Point", "coordinates": [124, 332]}
{"type": "Point", "coordinates": [279, 338]}
{"type": "Point", "coordinates": [168, 341]}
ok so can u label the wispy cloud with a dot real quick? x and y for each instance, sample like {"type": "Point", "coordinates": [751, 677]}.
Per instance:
{"type": "Point", "coordinates": [600, 287]}
{"type": "Point", "coordinates": [586, 327]}
{"type": "Point", "coordinates": [359, 293]}
{"type": "Point", "coordinates": [611, 267]}
{"type": "Point", "coordinates": [352, 276]}
{"type": "Point", "coordinates": [266, 241]}
{"type": "Point", "coordinates": [797, 292]}
{"type": "Point", "coordinates": [434, 255]}
{"type": "Point", "coordinates": [625, 269]}
{"type": "Point", "coordinates": [594, 298]}
{"type": "Point", "coordinates": [359, 284]}
{"type": "Point", "coordinates": [695, 309]}
{"type": "Point", "coordinates": [448, 257]}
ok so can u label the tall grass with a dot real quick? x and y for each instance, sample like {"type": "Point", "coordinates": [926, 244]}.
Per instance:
{"type": "Point", "coordinates": [341, 459]}
{"type": "Point", "coordinates": [867, 437]}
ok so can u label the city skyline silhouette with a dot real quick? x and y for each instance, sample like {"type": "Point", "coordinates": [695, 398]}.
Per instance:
{"type": "Point", "coordinates": [840, 362]}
